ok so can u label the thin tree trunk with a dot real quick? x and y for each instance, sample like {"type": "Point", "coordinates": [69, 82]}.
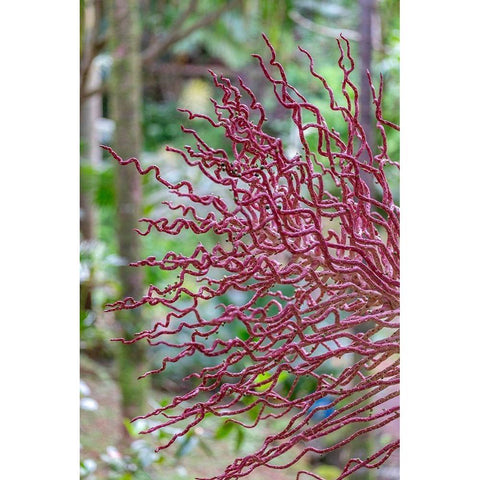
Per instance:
{"type": "Point", "coordinates": [125, 102]}
{"type": "Point", "coordinates": [365, 54]}
{"type": "Point", "coordinates": [364, 445]}
{"type": "Point", "coordinates": [90, 111]}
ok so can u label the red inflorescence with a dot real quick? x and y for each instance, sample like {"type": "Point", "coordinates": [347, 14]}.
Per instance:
{"type": "Point", "coordinates": [337, 249]}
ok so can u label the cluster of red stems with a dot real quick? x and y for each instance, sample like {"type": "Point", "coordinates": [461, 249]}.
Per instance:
{"type": "Point", "coordinates": [339, 251]}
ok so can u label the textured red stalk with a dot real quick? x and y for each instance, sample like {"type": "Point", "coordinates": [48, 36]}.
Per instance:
{"type": "Point", "coordinates": [337, 248]}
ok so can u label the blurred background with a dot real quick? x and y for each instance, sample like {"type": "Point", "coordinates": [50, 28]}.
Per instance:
{"type": "Point", "coordinates": [140, 61]}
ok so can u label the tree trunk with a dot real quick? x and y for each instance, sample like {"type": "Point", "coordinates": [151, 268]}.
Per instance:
{"type": "Point", "coordinates": [125, 96]}
{"type": "Point", "coordinates": [365, 53]}
{"type": "Point", "coordinates": [90, 152]}
{"type": "Point", "coordinates": [364, 445]}
{"type": "Point", "coordinates": [88, 214]}
{"type": "Point", "coordinates": [365, 96]}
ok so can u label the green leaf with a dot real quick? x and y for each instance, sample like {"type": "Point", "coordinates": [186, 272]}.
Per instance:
{"type": "Point", "coordinates": [239, 439]}
{"type": "Point", "coordinates": [254, 411]}
{"type": "Point", "coordinates": [126, 476]}
{"type": "Point", "coordinates": [130, 428]}
{"type": "Point", "coordinates": [328, 472]}
{"type": "Point", "coordinates": [283, 376]}
{"type": "Point", "coordinates": [224, 430]}
{"type": "Point", "coordinates": [261, 378]}
{"type": "Point", "coordinates": [248, 399]}
{"type": "Point", "coordinates": [242, 333]}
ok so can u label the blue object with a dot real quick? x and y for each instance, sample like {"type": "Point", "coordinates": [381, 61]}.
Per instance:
{"type": "Point", "coordinates": [320, 415]}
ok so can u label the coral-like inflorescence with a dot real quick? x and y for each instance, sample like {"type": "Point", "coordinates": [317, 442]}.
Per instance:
{"type": "Point", "coordinates": [337, 249]}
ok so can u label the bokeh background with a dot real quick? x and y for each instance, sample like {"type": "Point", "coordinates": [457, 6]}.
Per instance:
{"type": "Point", "coordinates": [140, 62]}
